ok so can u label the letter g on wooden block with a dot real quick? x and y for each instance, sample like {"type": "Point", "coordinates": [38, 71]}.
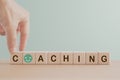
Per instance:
{"type": "Point", "coordinates": [103, 58]}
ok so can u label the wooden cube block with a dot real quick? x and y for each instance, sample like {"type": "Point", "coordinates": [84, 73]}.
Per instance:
{"type": "Point", "coordinates": [29, 58]}
{"type": "Point", "coordinates": [16, 58]}
{"type": "Point", "coordinates": [91, 57]}
{"type": "Point", "coordinates": [79, 57]}
{"type": "Point", "coordinates": [41, 58]}
{"type": "Point", "coordinates": [53, 57]}
{"type": "Point", "coordinates": [103, 57]}
{"type": "Point", "coordinates": [67, 57]}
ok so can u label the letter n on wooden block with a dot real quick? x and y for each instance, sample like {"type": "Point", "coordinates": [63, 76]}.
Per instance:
{"type": "Point", "coordinates": [53, 58]}
{"type": "Point", "coordinates": [67, 58]}
{"type": "Point", "coordinates": [41, 58]}
{"type": "Point", "coordinates": [91, 58]}
{"type": "Point", "coordinates": [16, 58]}
{"type": "Point", "coordinates": [29, 58]}
{"type": "Point", "coordinates": [103, 57]}
{"type": "Point", "coordinates": [79, 58]}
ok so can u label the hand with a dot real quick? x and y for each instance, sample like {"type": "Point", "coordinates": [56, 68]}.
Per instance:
{"type": "Point", "coordinates": [14, 19]}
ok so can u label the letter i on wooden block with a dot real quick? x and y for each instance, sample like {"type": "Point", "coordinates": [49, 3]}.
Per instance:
{"type": "Point", "coordinates": [79, 58]}
{"type": "Point", "coordinates": [67, 58]}
{"type": "Point", "coordinates": [41, 58]}
{"type": "Point", "coordinates": [16, 58]}
{"type": "Point", "coordinates": [91, 57]}
{"type": "Point", "coordinates": [103, 58]}
{"type": "Point", "coordinates": [53, 57]}
{"type": "Point", "coordinates": [29, 58]}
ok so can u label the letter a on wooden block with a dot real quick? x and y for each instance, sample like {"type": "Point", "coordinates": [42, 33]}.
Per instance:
{"type": "Point", "coordinates": [16, 58]}
{"type": "Point", "coordinates": [41, 58]}
{"type": "Point", "coordinates": [67, 58]}
{"type": "Point", "coordinates": [29, 58]}
{"type": "Point", "coordinates": [103, 57]}
{"type": "Point", "coordinates": [79, 58]}
{"type": "Point", "coordinates": [53, 58]}
{"type": "Point", "coordinates": [91, 57]}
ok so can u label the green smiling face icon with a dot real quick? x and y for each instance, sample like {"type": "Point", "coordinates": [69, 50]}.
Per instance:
{"type": "Point", "coordinates": [28, 58]}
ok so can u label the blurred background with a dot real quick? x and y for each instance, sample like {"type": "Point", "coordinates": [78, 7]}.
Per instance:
{"type": "Point", "coordinates": [71, 25]}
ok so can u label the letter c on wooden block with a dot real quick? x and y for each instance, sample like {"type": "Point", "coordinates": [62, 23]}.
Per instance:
{"type": "Point", "coordinates": [53, 57]}
{"type": "Point", "coordinates": [16, 58]}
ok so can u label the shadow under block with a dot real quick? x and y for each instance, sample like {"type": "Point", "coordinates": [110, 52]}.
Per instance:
{"type": "Point", "coordinates": [29, 58]}
{"type": "Point", "coordinates": [91, 58]}
{"type": "Point", "coordinates": [66, 58]}
{"type": "Point", "coordinates": [41, 58]}
{"type": "Point", "coordinates": [16, 58]}
{"type": "Point", "coordinates": [53, 58]}
{"type": "Point", "coordinates": [103, 58]}
{"type": "Point", "coordinates": [79, 58]}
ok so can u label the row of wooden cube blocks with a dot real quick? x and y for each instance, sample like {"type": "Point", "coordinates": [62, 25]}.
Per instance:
{"type": "Point", "coordinates": [64, 57]}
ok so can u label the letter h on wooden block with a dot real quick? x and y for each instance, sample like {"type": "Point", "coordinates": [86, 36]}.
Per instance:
{"type": "Point", "coordinates": [16, 58]}
{"type": "Point", "coordinates": [67, 58]}
{"type": "Point", "coordinates": [91, 57]}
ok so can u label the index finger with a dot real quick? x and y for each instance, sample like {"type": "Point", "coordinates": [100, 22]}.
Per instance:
{"type": "Point", "coordinates": [11, 38]}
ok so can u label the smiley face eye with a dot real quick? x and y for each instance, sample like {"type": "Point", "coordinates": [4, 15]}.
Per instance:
{"type": "Point", "coordinates": [30, 58]}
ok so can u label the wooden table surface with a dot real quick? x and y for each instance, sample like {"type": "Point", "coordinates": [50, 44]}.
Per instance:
{"type": "Point", "coordinates": [60, 72]}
